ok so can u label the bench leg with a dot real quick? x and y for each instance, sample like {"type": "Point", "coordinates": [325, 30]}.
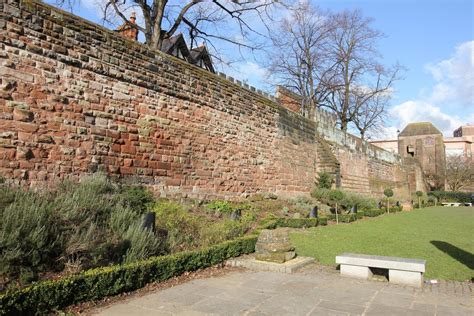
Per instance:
{"type": "Point", "coordinates": [405, 277]}
{"type": "Point", "coordinates": [355, 271]}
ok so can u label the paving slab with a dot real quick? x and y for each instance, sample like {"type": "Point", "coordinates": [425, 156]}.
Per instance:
{"type": "Point", "coordinates": [314, 290]}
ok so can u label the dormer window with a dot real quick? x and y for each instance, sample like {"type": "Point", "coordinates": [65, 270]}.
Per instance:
{"type": "Point", "coordinates": [199, 56]}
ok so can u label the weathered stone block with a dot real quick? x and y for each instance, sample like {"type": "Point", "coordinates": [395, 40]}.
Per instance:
{"type": "Point", "coordinates": [274, 246]}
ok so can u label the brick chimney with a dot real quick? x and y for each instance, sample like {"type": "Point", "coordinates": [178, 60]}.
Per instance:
{"type": "Point", "coordinates": [128, 31]}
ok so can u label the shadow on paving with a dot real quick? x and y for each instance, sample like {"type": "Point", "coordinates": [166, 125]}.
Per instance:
{"type": "Point", "coordinates": [464, 257]}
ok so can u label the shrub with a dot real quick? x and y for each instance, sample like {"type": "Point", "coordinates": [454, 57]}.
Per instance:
{"type": "Point", "coordinates": [323, 221]}
{"type": "Point", "coordinates": [432, 200]}
{"type": "Point", "coordinates": [388, 192]}
{"type": "Point", "coordinates": [290, 222]}
{"type": "Point", "coordinates": [183, 229]}
{"type": "Point", "coordinates": [143, 244]}
{"type": "Point", "coordinates": [348, 199]}
{"type": "Point", "coordinates": [137, 198]}
{"type": "Point", "coordinates": [446, 196]}
{"type": "Point", "coordinates": [321, 195]}
{"type": "Point", "coordinates": [419, 194]}
{"type": "Point", "coordinates": [222, 231]}
{"type": "Point", "coordinates": [220, 207]}
{"type": "Point", "coordinates": [363, 203]}
{"type": "Point", "coordinates": [344, 218]}
{"type": "Point", "coordinates": [47, 296]}
{"type": "Point", "coordinates": [79, 225]}
{"type": "Point", "coordinates": [373, 212]}
{"type": "Point", "coordinates": [324, 180]}
{"type": "Point", "coordinates": [336, 195]}
{"type": "Point", "coordinates": [28, 236]}
{"type": "Point", "coordinates": [7, 195]}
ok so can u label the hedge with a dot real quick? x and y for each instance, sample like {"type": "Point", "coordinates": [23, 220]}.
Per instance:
{"type": "Point", "coordinates": [293, 223]}
{"type": "Point", "coordinates": [373, 213]}
{"type": "Point", "coordinates": [460, 197]}
{"type": "Point", "coordinates": [51, 295]}
{"type": "Point", "coordinates": [343, 218]}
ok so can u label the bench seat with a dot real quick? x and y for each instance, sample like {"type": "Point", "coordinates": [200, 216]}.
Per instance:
{"type": "Point", "coordinates": [401, 270]}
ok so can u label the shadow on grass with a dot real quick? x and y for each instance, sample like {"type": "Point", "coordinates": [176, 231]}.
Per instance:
{"type": "Point", "coordinates": [464, 257]}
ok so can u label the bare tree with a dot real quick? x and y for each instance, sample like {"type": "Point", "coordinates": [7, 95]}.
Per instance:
{"type": "Point", "coordinates": [209, 21]}
{"type": "Point", "coordinates": [358, 79]}
{"type": "Point", "coordinates": [331, 60]}
{"type": "Point", "coordinates": [459, 171]}
{"type": "Point", "coordinates": [371, 113]}
{"type": "Point", "coordinates": [298, 58]}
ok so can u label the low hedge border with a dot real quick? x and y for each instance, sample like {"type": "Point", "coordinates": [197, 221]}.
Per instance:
{"type": "Point", "coordinates": [343, 218]}
{"type": "Point", "coordinates": [348, 218]}
{"type": "Point", "coordinates": [373, 213]}
{"type": "Point", "coordinates": [51, 295]}
{"type": "Point", "coordinates": [293, 223]}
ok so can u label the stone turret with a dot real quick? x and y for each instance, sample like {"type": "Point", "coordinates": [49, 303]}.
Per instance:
{"type": "Point", "coordinates": [423, 142]}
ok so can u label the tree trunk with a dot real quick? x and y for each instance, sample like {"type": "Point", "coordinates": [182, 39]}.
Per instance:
{"type": "Point", "coordinates": [337, 217]}
{"type": "Point", "coordinates": [344, 124]}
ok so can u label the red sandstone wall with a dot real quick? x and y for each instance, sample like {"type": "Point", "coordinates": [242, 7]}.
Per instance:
{"type": "Point", "coordinates": [288, 99]}
{"type": "Point", "coordinates": [76, 98]}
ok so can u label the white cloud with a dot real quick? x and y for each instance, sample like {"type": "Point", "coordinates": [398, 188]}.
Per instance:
{"type": "Point", "coordinates": [386, 132]}
{"type": "Point", "coordinates": [422, 111]}
{"type": "Point", "coordinates": [454, 76]}
{"type": "Point", "coordinates": [453, 89]}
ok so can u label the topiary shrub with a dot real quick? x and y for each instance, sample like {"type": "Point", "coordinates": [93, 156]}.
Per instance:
{"type": "Point", "coordinates": [336, 196]}
{"type": "Point", "coordinates": [388, 193]}
{"type": "Point", "coordinates": [419, 194]}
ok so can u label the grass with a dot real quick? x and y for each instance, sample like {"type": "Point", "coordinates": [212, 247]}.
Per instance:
{"type": "Point", "coordinates": [443, 236]}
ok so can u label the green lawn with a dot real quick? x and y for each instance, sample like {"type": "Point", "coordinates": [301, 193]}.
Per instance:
{"type": "Point", "coordinates": [443, 236]}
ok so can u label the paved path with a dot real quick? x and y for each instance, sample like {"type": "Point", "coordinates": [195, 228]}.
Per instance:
{"type": "Point", "coordinates": [313, 291]}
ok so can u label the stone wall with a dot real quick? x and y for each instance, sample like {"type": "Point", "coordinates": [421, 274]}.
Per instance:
{"type": "Point", "coordinates": [361, 166]}
{"type": "Point", "coordinates": [77, 98]}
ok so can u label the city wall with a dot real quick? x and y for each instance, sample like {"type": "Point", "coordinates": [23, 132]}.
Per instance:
{"type": "Point", "coordinates": [76, 98]}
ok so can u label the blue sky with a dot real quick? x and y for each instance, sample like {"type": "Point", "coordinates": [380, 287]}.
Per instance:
{"type": "Point", "coordinates": [433, 39]}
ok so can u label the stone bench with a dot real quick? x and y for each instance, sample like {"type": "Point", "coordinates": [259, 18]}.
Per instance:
{"type": "Point", "coordinates": [400, 270]}
{"type": "Point", "coordinates": [452, 204]}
